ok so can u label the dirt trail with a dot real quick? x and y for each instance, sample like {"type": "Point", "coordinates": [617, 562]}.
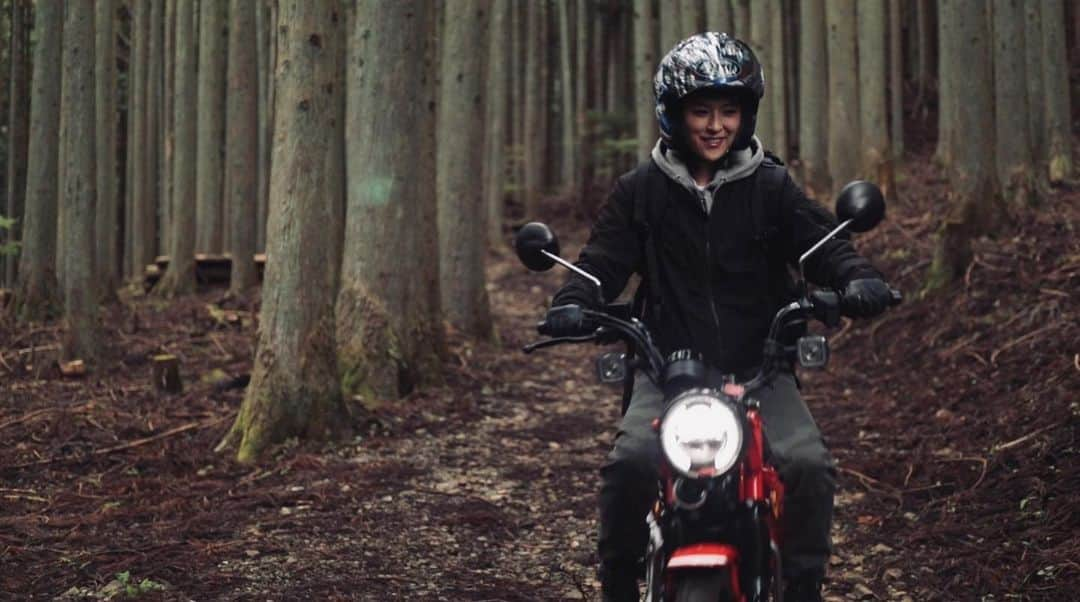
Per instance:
{"type": "Point", "coordinates": [953, 420]}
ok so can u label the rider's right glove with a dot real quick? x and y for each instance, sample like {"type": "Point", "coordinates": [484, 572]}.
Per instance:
{"type": "Point", "coordinates": [865, 298]}
{"type": "Point", "coordinates": [564, 321]}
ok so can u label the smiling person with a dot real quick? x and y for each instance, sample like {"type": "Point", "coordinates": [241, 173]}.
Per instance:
{"type": "Point", "coordinates": [712, 223]}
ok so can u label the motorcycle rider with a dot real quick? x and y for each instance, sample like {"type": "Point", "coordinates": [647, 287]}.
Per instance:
{"type": "Point", "coordinates": [717, 245]}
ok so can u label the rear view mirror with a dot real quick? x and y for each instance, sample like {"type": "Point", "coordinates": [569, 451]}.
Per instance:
{"type": "Point", "coordinates": [862, 203]}
{"type": "Point", "coordinates": [530, 243]}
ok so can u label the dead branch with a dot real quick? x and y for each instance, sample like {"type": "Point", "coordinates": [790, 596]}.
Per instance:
{"type": "Point", "coordinates": [1015, 442]}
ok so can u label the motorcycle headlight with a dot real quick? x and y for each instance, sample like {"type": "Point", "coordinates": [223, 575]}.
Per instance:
{"type": "Point", "coordinates": [701, 434]}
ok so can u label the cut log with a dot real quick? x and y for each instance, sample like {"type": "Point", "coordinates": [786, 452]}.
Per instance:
{"type": "Point", "coordinates": [167, 374]}
{"type": "Point", "coordinates": [73, 369]}
{"type": "Point", "coordinates": [210, 270]}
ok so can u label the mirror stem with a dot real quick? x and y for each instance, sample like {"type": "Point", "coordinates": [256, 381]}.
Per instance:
{"type": "Point", "coordinates": [575, 269]}
{"type": "Point", "coordinates": [811, 250]}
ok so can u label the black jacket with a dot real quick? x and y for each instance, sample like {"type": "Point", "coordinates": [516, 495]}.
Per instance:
{"type": "Point", "coordinates": [735, 259]}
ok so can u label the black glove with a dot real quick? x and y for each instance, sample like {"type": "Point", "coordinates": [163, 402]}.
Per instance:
{"type": "Point", "coordinates": [564, 321]}
{"type": "Point", "coordinates": [865, 298]}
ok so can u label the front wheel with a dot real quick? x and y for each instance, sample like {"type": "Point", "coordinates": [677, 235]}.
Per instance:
{"type": "Point", "coordinates": [704, 586]}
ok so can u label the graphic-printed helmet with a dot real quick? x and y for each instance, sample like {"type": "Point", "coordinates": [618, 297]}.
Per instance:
{"type": "Point", "coordinates": [704, 61]}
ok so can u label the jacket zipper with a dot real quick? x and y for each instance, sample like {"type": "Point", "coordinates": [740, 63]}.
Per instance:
{"type": "Point", "coordinates": [708, 261]}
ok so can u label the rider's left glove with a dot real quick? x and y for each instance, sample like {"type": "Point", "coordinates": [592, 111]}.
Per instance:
{"type": "Point", "coordinates": [565, 321]}
{"type": "Point", "coordinates": [865, 298]}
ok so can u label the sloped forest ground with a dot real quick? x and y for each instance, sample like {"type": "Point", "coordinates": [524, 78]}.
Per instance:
{"type": "Point", "coordinates": [953, 419]}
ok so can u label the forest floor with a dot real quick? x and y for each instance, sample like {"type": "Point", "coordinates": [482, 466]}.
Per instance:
{"type": "Point", "coordinates": [953, 420]}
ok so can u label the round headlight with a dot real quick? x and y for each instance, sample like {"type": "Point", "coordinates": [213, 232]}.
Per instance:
{"type": "Point", "coordinates": [701, 434]}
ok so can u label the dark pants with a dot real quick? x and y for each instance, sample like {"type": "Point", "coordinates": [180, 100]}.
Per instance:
{"type": "Point", "coordinates": [628, 480]}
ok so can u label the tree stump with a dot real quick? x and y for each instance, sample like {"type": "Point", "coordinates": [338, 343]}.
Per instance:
{"type": "Point", "coordinates": [167, 374]}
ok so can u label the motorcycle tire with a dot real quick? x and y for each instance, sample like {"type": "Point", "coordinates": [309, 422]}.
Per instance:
{"type": "Point", "coordinates": [703, 586]}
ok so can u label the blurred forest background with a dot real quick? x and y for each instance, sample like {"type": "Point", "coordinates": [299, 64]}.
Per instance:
{"type": "Point", "coordinates": [351, 171]}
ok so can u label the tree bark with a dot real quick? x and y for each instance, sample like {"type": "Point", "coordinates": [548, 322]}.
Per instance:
{"type": "Point", "coordinates": [151, 153]}
{"type": "Point", "coordinates": [843, 140]}
{"type": "Point", "coordinates": [141, 251]}
{"type": "Point", "coordinates": [1016, 175]}
{"type": "Point", "coordinates": [975, 206]}
{"type": "Point", "coordinates": [740, 15]}
{"type": "Point", "coordinates": [583, 157]}
{"type": "Point", "coordinates": [106, 230]}
{"type": "Point", "coordinates": [670, 26]}
{"type": "Point", "coordinates": [896, 80]}
{"type": "Point", "coordinates": [1055, 70]}
{"type": "Point", "coordinates": [389, 322]}
{"type": "Point", "coordinates": [645, 62]}
{"type": "Point", "coordinates": [36, 295]}
{"type": "Point", "coordinates": [460, 195]}
{"type": "Point", "coordinates": [813, 100]}
{"type": "Point", "coordinates": [18, 127]}
{"type": "Point", "coordinates": [533, 145]}
{"type": "Point", "coordinates": [760, 29]}
{"type": "Point", "coordinates": [294, 389]}
{"type": "Point", "coordinates": [943, 154]}
{"type": "Point", "coordinates": [209, 158]}
{"type": "Point", "coordinates": [168, 136]}
{"type": "Point", "coordinates": [718, 16]}
{"type": "Point", "coordinates": [263, 33]}
{"type": "Point", "coordinates": [495, 147]}
{"type": "Point", "coordinates": [876, 163]}
{"type": "Point", "coordinates": [777, 76]}
{"type": "Point", "coordinates": [1033, 77]}
{"type": "Point", "coordinates": [690, 18]}
{"type": "Point", "coordinates": [241, 144]}
{"type": "Point", "coordinates": [179, 278]}
{"type": "Point", "coordinates": [78, 184]}
{"type": "Point", "coordinates": [566, 96]}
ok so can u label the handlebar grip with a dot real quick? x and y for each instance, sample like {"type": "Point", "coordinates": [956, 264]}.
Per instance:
{"type": "Point", "coordinates": [897, 297]}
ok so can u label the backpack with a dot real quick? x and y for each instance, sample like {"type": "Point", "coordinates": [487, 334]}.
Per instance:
{"type": "Point", "coordinates": [647, 218]}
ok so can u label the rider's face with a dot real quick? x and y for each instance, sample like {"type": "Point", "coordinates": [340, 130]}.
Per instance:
{"type": "Point", "coordinates": [711, 124]}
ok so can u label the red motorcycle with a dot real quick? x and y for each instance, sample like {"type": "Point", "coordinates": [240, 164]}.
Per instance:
{"type": "Point", "coordinates": [714, 531]}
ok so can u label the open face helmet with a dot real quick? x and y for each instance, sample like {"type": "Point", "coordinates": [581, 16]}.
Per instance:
{"type": "Point", "coordinates": [708, 61]}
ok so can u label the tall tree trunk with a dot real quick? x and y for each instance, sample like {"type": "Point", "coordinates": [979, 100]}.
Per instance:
{"type": "Point", "coordinates": [873, 103]}
{"type": "Point", "coordinates": [974, 202]}
{"type": "Point", "coordinates": [78, 183]}
{"type": "Point", "coordinates": [36, 295]}
{"type": "Point", "coordinates": [843, 138]}
{"type": "Point", "coordinates": [461, 212]}
{"type": "Point", "coordinates": [389, 322]}
{"type": "Point", "coordinates": [760, 28]}
{"type": "Point", "coordinates": [106, 230]}
{"type": "Point", "coordinates": [263, 33]}
{"type": "Point", "coordinates": [1055, 70]}
{"type": "Point", "coordinates": [778, 96]}
{"type": "Point", "coordinates": [18, 126]}
{"type": "Point", "coordinates": [566, 80]}
{"type": "Point", "coordinates": [495, 147]}
{"type": "Point", "coordinates": [151, 153]}
{"type": "Point", "coordinates": [1033, 78]}
{"type": "Point", "coordinates": [690, 18]}
{"type": "Point", "coordinates": [896, 80]}
{"type": "Point", "coordinates": [518, 38]}
{"type": "Point", "coordinates": [948, 103]}
{"type": "Point", "coordinates": [533, 146]}
{"type": "Point", "coordinates": [141, 251]}
{"type": "Point", "coordinates": [740, 15]}
{"type": "Point", "coordinates": [645, 62]}
{"type": "Point", "coordinates": [718, 16]}
{"type": "Point", "coordinates": [1013, 141]}
{"type": "Point", "coordinates": [583, 157]}
{"type": "Point", "coordinates": [179, 278]}
{"type": "Point", "coordinates": [294, 388]}
{"type": "Point", "coordinates": [210, 132]}
{"type": "Point", "coordinates": [168, 137]}
{"type": "Point", "coordinates": [813, 100]}
{"type": "Point", "coordinates": [670, 26]}
{"type": "Point", "coordinates": [241, 144]}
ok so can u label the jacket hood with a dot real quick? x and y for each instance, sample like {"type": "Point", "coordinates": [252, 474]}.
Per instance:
{"type": "Point", "coordinates": [736, 165]}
